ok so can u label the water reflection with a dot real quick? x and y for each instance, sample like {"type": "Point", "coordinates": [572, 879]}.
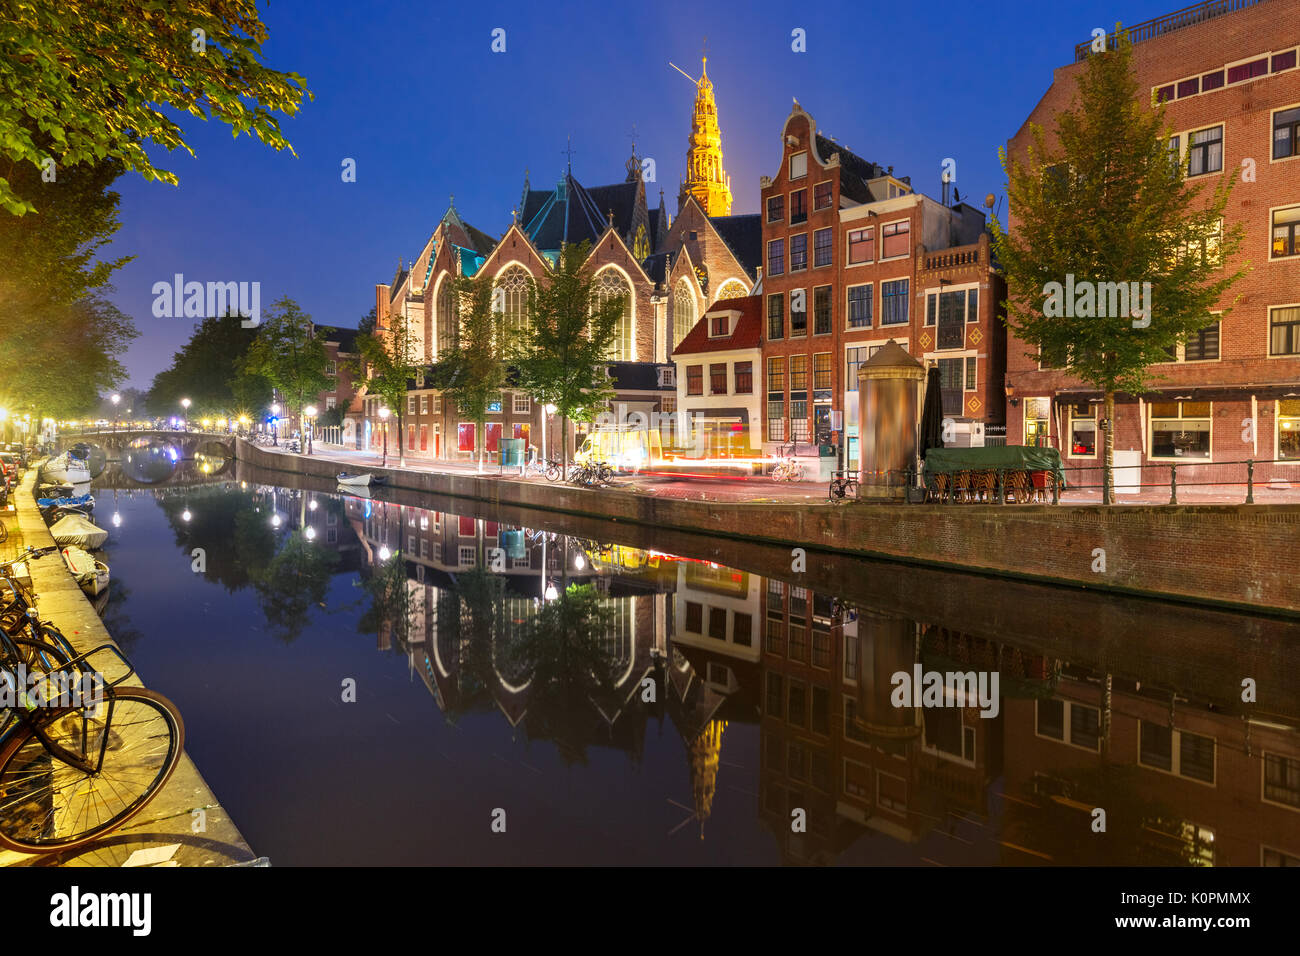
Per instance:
{"type": "Point", "coordinates": [589, 645]}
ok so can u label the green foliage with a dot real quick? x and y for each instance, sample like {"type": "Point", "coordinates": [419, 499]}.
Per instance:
{"type": "Point", "coordinates": [209, 370]}
{"type": "Point", "coordinates": [1109, 205]}
{"type": "Point", "coordinates": [82, 81]}
{"type": "Point", "coordinates": [562, 356]}
{"type": "Point", "coordinates": [287, 354]}
{"type": "Point", "coordinates": [294, 581]}
{"type": "Point", "coordinates": [472, 370]}
{"type": "Point", "coordinates": [389, 361]}
{"type": "Point", "coordinates": [366, 324]}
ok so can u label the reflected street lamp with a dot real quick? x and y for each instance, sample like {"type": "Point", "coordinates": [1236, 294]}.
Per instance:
{"type": "Point", "coordinates": [115, 399]}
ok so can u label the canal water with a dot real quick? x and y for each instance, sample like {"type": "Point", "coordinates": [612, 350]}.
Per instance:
{"type": "Point", "coordinates": [388, 678]}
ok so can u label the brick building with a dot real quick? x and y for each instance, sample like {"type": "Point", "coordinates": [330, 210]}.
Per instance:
{"type": "Point", "coordinates": [1228, 78]}
{"type": "Point", "coordinates": [854, 257]}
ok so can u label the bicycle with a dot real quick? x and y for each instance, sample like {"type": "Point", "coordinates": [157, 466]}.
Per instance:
{"type": "Point", "coordinates": [72, 772]}
{"type": "Point", "coordinates": [843, 484]}
{"type": "Point", "coordinates": [789, 470]}
{"type": "Point", "coordinates": [548, 469]}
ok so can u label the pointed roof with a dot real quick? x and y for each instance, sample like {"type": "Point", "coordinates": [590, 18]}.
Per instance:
{"type": "Point", "coordinates": [743, 235]}
{"type": "Point", "coordinates": [745, 334]}
{"type": "Point", "coordinates": [478, 240]}
{"type": "Point", "coordinates": [566, 213]}
{"type": "Point", "coordinates": [621, 198]}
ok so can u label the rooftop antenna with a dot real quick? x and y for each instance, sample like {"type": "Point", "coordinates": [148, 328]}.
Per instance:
{"type": "Point", "coordinates": [568, 151]}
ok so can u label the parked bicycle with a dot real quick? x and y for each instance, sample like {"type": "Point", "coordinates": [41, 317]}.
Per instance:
{"type": "Point", "coordinates": [72, 769]}
{"type": "Point", "coordinates": [592, 473]}
{"type": "Point", "coordinates": [789, 470]}
{"type": "Point", "coordinates": [844, 484]}
{"type": "Point", "coordinates": [550, 469]}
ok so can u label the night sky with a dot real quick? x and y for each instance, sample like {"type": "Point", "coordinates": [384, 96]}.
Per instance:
{"type": "Point", "coordinates": [415, 95]}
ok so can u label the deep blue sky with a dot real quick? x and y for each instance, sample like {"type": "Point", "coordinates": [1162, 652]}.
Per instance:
{"type": "Point", "coordinates": [414, 94]}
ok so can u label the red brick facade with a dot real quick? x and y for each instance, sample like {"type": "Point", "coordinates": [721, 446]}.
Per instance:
{"type": "Point", "coordinates": [1242, 385]}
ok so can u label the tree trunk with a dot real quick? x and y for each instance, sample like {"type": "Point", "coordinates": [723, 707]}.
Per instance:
{"type": "Point", "coordinates": [564, 447]}
{"type": "Point", "coordinates": [482, 443]}
{"type": "Point", "coordinates": [1107, 490]}
{"type": "Point", "coordinates": [401, 438]}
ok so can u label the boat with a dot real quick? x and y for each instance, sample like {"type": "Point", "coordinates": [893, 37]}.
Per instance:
{"type": "Point", "coordinates": [89, 571]}
{"type": "Point", "coordinates": [73, 529]}
{"type": "Point", "coordinates": [67, 468]}
{"type": "Point", "coordinates": [353, 481]}
{"type": "Point", "coordinates": [80, 502]}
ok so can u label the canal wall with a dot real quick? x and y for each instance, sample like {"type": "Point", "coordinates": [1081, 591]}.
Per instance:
{"type": "Point", "coordinates": [1244, 557]}
{"type": "Point", "coordinates": [169, 831]}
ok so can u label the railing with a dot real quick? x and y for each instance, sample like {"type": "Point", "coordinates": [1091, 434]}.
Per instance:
{"type": "Point", "coordinates": [964, 256]}
{"type": "Point", "coordinates": [1186, 17]}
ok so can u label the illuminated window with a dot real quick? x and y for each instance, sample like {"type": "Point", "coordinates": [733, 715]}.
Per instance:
{"type": "Point", "coordinates": [1286, 231]}
{"type": "Point", "coordinates": [1288, 429]}
{"type": "Point", "coordinates": [1284, 331]}
{"type": "Point", "coordinates": [514, 284]}
{"type": "Point", "coordinates": [1037, 416]}
{"type": "Point", "coordinates": [718, 379]}
{"type": "Point", "coordinates": [1180, 430]}
{"type": "Point", "coordinates": [610, 285]}
{"type": "Point", "coordinates": [1083, 430]}
{"type": "Point", "coordinates": [683, 308]}
{"type": "Point", "coordinates": [1205, 151]}
{"type": "Point", "coordinates": [821, 370]}
{"type": "Point", "coordinates": [744, 378]}
{"type": "Point", "coordinates": [1286, 133]}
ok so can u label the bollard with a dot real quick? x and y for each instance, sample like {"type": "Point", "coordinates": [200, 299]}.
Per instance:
{"type": "Point", "coordinates": [1250, 481]}
{"type": "Point", "coordinates": [1173, 484]}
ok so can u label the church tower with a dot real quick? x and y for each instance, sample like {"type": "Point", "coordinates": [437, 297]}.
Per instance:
{"type": "Point", "coordinates": [705, 179]}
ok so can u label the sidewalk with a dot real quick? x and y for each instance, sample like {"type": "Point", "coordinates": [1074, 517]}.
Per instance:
{"type": "Point", "coordinates": [763, 489]}
{"type": "Point", "coordinates": [184, 825]}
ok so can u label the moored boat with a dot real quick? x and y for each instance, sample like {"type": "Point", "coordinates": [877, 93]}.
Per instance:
{"type": "Point", "coordinates": [73, 529]}
{"type": "Point", "coordinates": [67, 468]}
{"type": "Point", "coordinates": [361, 480]}
{"type": "Point", "coordinates": [90, 573]}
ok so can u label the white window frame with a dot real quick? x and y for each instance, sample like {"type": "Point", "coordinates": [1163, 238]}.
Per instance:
{"type": "Point", "coordinates": [803, 155]}
{"type": "Point", "coordinates": [910, 246]}
{"type": "Point", "coordinates": [1277, 435]}
{"type": "Point", "coordinates": [872, 295]}
{"type": "Point", "coordinates": [1151, 432]}
{"type": "Point", "coordinates": [864, 262]}
{"type": "Point", "coordinates": [1069, 438]}
{"type": "Point", "coordinates": [1175, 756]}
{"type": "Point", "coordinates": [1285, 159]}
{"type": "Point", "coordinates": [521, 404]}
{"type": "Point", "coordinates": [1271, 211]}
{"type": "Point", "coordinates": [1185, 143]}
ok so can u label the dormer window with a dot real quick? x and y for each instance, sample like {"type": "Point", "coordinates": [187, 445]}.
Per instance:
{"type": "Point", "coordinates": [719, 326]}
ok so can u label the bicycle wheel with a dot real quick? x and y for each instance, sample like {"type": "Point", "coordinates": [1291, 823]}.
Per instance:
{"type": "Point", "coordinates": [48, 805]}
{"type": "Point", "coordinates": [552, 472]}
{"type": "Point", "coordinates": [4, 533]}
{"type": "Point", "coordinates": [35, 656]}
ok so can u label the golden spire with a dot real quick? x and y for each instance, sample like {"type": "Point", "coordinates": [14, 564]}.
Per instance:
{"type": "Point", "coordinates": [705, 179]}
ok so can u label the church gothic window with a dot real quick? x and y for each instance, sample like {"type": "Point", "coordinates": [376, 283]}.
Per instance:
{"type": "Point", "coordinates": [514, 283]}
{"type": "Point", "coordinates": [683, 311]}
{"type": "Point", "coordinates": [447, 325]}
{"type": "Point", "coordinates": [609, 285]}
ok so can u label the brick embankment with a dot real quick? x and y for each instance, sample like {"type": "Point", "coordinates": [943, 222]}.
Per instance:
{"type": "Point", "coordinates": [1236, 556]}
{"type": "Point", "coordinates": [164, 832]}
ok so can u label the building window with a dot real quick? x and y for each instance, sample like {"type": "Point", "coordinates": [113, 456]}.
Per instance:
{"type": "Point", "coordinates": [797, 704]}
{"type": "Point", "coordinates": [800, 430]}
{"type": "Point", "coordinates": [860, 297]}
{"type": "Point", "coordinates": [893, 302]}
{"type": "Point", "coordinates": [798, 372]}
{"type": "Point", "coordinates": [718, 379]}
{"type": "Point", "coordinates": [1282, 779]}
{"type": "Point", "coordinates": [775, 695]}
{"type": "Point", "coordinates": [821, 710]}
{"type": "Point", "coordinates": [1247, 71]}
{"type": "Point", "coordinates": [719, 326]}
{"type": "Point", "coordinates": [798, 165]}
{"type": "Point", "coordinates": [1083, 430]}
{"type": "Point", "coordinates": [822, 370]}
{"type": "Point", "coordinates": [776, 316]}
{"type": "Point", "coordinates": [862, 246]}
{"type": "Point", "coordinates": [718, 623]}
{"type": "Point", "coordinates": [466, 439]}
{"type": "Point", "coordinates": [521, 404]}
{"type": "Point", "coordinates": [1202, 346]}
{"type": "Point", "coordinates": [776, 209]}
{"type": "Point", "coordinates": [514, 284]}
{"type": "Point", "coordinates": [410, 404]}
{"type": "Point", "coordinates": [1205, 151]}
{"type": "Point", "coordinates": [424, 404]}
{"type": "Point", "coordinates": [854, 357]}
{"type": "Point", "coordinates": [776, 257]}
{"type": "Point", "coordinates": [448, 321]}
{"type": "Point", "coordinates": [1284, 61]}
{"type": "Point", "coordinates": [668, 403]}
{"type": "Point", "coordinates": [822, 322]}
{"type": "Point", "coordinates": [822, 195]}
{"type": "Point", "coordinates": [972, 305]}
{"type": "Point", "coordinates": [776, 375]}
{"type": "Point", "coordinates": [798, 313]}
{"type": "Point", "coordinates": [823, 244]}
{"type": "Point", "coordinates": [1286, 232]}
{"type": "Point", "coordinates": [1189, 87]}
{"type": "Point", "coordinates": [744, 378]}
{"type": "Point", "coordinates": [695, 380]}
{"type": "Point", "coordinates": [776, 399]}
{"type": "Point", "coordinates": [1180, 430]}
{"type": "Point", "coordinates": [1286, 133]}
{"type": "Point", "coordinates": [694, 618]}
{"type": "Point", "coordinates": [896, 239]}
{"type": "Point", "coordinates": [1284, 330]}
{"type": "Point", "coordinates": [798, 206]}
{"type": "Point", "coordinates": [329, 401]}
{"type": "Point", "coordinates": [951, 382]}
{"type": "Point", "coordinates": [852, 729]}
{"type": "Point", "coordinates": [951, 318]}
{"type": "Point", "coordinates": [611, 285]}
{"type": "Point", "coordinates": [799, 252]}
{"type": "Point", "coordinates": [1288, 429]}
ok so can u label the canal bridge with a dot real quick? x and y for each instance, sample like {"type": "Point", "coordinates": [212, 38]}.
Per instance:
{"type": "Point", "coordinates": [114, 444]}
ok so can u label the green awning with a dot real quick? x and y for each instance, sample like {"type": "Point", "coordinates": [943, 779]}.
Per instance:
{"type": "Point", "coordinates": [946, 461]}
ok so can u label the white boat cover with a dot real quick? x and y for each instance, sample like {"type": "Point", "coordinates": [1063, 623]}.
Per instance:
{"type": "Point", "coordinates": [76, 530]}
{"type": "Point", "coordinates": [91, 574]}
{"type": "Point", "coordinates": [67, 468]}
{"type": "Point", "coordinates": [346, 479]}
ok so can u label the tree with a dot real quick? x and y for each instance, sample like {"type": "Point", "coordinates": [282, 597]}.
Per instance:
{"type": "Point", "coordinates": [366, 324]}
{"type": "Point", "coordinates": [209, 370]}
{"type": "Point", "coordinates": [389, 359]}
{"type": "Point", "coordinates": [1106, 207]}
{"type": "Point", "coordinates": [562, 355]}
{"type": "Point", "coordinates": [96, 77]}
{"type": "Point", "coordinates": [289, 356]}
{"type": "Point", "coordinates": [472, 369]}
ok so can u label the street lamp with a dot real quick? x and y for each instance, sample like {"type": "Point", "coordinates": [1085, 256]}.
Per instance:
{"type": "Point", "coordinates": [115, 399]}
{"type": "Point", "coordinates": [549, 409]}
{"type": "Point", "coordinates": [185, 404]}
{"type": "Point", "coordinates": [275, 423]}
{"type": "Point", "coordinates": [383, 417]}
{"type": "Point", "coordinates": [310, 412]}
